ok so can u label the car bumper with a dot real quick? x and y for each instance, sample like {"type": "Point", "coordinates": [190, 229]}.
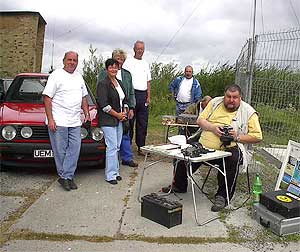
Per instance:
{"type": "Point", "coordinates": [22, 154]}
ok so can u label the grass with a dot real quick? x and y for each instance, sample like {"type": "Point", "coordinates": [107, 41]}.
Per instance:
{"type": "Point", "coordinates": [279, 125]}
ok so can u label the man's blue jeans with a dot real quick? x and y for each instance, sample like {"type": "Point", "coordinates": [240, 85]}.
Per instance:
{"type": "Point", "coordinates": [126, 148]}
{"type": "Point", "coordinates": [181, 107]}
{"type": "Point", "coordinates": [113, 137]}
{"type": "Point", "coordinates": [65, 143]}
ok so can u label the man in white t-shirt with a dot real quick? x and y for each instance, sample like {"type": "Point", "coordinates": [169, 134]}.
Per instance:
{"type": "Point", "coordinates": [185, 90]}
{"type": "Point", "coordinates": [64, 96]}
{"type": "Point", "coordinates": [141, 77]}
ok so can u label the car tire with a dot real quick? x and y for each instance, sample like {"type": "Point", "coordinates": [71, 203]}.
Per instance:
{"type": "Point", "coordinates": [102, 165]}
{"type": "Point", "coordinates": [3, 168]}
{"type": "Point", "coordinates": [99, 166]}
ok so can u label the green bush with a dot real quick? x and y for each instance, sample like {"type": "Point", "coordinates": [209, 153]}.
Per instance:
{"type": "Point", "coordinates": [213, 81]}
{"type": "Point", "coordinates": [91, 69]}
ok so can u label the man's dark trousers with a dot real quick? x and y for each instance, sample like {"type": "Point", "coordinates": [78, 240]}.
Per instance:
{"type": "Point", "coordinates": [140, 118]}
{"type": "Point", "coordinates": [232, 170]}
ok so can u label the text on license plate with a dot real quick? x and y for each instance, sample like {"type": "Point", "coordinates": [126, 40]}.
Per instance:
{"type": "Point", "coordinates": [43, 154]}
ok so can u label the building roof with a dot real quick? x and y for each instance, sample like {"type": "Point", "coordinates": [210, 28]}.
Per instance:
{"type": "Point", "coordinates": [15, 13]}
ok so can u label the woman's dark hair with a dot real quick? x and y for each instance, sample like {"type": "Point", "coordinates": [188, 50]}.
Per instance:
{"type": "Point", "coordinates": [110, 62]}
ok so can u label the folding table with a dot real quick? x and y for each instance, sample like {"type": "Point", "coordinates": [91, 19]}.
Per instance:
{"type": "Point", "coordinates": [174, 152]}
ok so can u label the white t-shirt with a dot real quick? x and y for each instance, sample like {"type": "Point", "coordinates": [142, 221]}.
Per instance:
{"type": "Point", "coordinates": [185, 90]}
{"type": "Point", "coordinates": [119, 74]}
{"type": "Point", "coordinates": [200, 108]}
{"type": "Point", "coordinates": [66, 91]}
{"type": "Point", "coordinates": [121, 95]}
{"type": "Point", "coordinates": [140, 72]}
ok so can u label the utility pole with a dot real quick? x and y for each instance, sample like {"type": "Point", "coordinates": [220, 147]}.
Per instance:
{"type": "Point", "coordinates": [252, 56]}
{"type": "Point", "coordinates": [52, 56]}
{"type": "Point", "coordinates": [52, 51]}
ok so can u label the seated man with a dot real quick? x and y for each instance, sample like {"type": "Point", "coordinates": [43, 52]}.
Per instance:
{"type": "Point", "coordinates": [221, 111]}
{"type": "Point", "coordinates": [198, 107]}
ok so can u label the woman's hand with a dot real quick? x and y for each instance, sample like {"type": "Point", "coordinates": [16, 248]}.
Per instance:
{"type": "Point", "coordinates": [130, 114]}
{"type": "Point", "coordinates": [121, 116]}
{"type": "Point", "coordinates": [87, 117]}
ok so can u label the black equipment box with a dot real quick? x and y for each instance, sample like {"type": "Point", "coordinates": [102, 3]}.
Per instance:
{"type": "Point", "coordinates": [158, 209]}
{"type": "Point", "coordinates": [274, 221]}
{"type": "Point", "coordinates": [281, 203]}
{"type": "Point", "coordinates": [187, 119]}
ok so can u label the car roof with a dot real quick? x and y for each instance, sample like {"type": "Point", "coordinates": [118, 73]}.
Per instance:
{"type": "Point", "coordinates": [32, 74]}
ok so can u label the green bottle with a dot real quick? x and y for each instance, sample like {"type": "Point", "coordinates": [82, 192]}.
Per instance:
{"type": "Point", "coordinates": [257, 188]}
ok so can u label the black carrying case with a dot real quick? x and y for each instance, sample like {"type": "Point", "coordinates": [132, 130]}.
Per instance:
{"type": "Point", "coordinates": [288, 207]}
{"type": "Point", "coordinates": [161, 210]}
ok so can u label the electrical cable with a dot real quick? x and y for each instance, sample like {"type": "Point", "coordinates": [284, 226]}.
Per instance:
{"type": "Point", "coordinates": [291, 4]}
{"type": "Point", "coordinates": [186, 160]}
{"type": "Point", "coordinates": [74, 28]}
{"type": "Point", "coordinates": [62, 35]}
{"type": "Point", "coordinates": [232, 209]}
{"type": "Point", "coordinates": [179, 29]}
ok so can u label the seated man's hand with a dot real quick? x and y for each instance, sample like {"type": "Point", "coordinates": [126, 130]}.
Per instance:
{"type": "Point", "coordinates": [233, 134]}
{"type": "Point", "coordinates": [216, 130]}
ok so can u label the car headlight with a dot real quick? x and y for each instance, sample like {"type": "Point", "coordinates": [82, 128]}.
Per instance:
{"type": "Point", "coordinates": [26, 132]}
{"type": "Point", "coordinates": [97, 134]}
{"type": "Point", "coordinates": [9, 132]}
{"type": "Point", "coordinates": [83, 133]}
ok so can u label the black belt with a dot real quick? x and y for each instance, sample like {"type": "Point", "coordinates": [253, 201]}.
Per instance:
{"type": "Point", "coordinates": [140, 91]}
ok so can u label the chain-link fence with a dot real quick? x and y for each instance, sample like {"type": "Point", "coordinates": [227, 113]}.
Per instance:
{"type": "Point", "coordinates": [270, 81]}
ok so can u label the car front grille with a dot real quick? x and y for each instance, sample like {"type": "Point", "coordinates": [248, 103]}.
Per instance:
{"type": "Point", "coordinates": [38, 132]}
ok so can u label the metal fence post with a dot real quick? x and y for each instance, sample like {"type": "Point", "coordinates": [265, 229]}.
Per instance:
{"type": "Point", "coordinates": [268, 71]}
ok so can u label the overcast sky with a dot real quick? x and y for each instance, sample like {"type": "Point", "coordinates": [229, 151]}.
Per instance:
{"type": "Point", "coordinates": [195, 32]}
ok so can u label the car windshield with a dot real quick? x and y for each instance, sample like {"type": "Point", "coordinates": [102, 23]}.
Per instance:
{"type": "Point", "coordinates": [26, 90]}
{"type": "Point", "coordinates": [6, 83]}
{"type": "Point", "coordinates": [30, 89]}
{"type": "Point", "coordinates": [1, 85]}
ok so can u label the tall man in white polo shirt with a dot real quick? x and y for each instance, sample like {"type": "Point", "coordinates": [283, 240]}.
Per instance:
{"type": "Point", "coordinates": [64, 96]}
{"type": "Point", "coordinates": [141, 77]}
{"type": "Point", "coordinates": [185, 90]}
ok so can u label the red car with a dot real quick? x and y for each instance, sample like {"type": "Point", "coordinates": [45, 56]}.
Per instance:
{"type": "Point", "coordinates": [24, 139]}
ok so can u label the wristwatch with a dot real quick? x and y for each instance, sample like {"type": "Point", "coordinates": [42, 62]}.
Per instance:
{"type": "Point", "coordinates": [238, 139]}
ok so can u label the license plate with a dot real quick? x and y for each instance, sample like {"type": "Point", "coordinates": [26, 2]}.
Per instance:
{"type": "Point", "coordinates": [43, 154]}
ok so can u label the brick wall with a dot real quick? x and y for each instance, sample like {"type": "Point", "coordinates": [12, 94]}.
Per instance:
{"type": "Point", "coordinates": [22, 42]}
